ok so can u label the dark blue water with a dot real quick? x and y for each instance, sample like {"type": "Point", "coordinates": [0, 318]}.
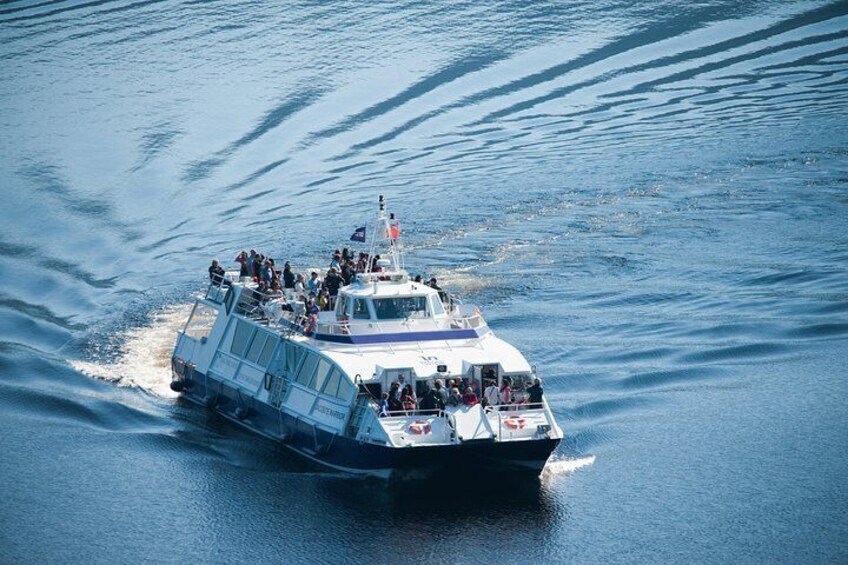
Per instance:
{"type": "Point", "coordinates": [649, 199]}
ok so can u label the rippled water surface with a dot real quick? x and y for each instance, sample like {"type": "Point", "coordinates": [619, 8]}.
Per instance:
{"type": "Point", "coordinates": [648, 199]}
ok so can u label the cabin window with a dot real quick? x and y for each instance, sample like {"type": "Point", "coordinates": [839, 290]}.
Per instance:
{"type": "Point", "coordinates": [307, 369]}
{"type": "Point", "coordinates": [256, 347]}
{"type": "Point", "coordinates": [360, 309]}
{"type": "Point", "coordinates": [341, 306]}
{"type": "Point", "coordinates": [436, 305]}
{"type": "Point", "coordinates": [241, 337]}
{"type": "Point", "coordinates": [324, 368]}
{"type": "Point", "coordinates": [401, 307]}
{"type": "Point", "coordinates": [201, 321]}
{"type": "Point", "coordinates": [345, 389]}
{"type": "Point", "coordinates": [265, 356]}
{"type": "Point", "coordinates": [292, 358]}
{"type": "Point", "coordinates": [332, 384]}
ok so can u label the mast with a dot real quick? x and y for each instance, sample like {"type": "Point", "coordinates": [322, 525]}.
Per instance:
{"type": "Point", "coordinates": [386, 225]}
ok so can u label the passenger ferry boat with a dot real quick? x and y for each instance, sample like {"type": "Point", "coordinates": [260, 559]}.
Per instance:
{"type": "Point", "coordinates": [314, 386]}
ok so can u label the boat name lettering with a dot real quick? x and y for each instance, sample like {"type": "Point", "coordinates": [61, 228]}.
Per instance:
{"type": "Point", "coordinates": [330, 412]}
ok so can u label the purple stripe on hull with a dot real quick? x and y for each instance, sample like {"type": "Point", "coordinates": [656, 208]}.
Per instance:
{"type": "Point", "coordinates": [399, 337]}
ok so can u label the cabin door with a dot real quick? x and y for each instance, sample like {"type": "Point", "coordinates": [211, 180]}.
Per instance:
{"type": "Point", "coordinates": [394, 376]}
{"type": "Point", "coordinates": [483, 373]}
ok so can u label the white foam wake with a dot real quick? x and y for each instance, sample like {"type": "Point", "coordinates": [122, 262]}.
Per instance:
{"type": "Point", "coordinates": [558, 467]}
{"type": "Point", "coordinates": [144, 356]}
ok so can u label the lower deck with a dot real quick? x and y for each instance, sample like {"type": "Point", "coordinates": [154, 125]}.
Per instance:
{"type": "Point", "coordinates": [401, 456]}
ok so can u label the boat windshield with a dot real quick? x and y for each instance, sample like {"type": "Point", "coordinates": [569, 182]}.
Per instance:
{"type": "Point", "coordinates": [401, 307]}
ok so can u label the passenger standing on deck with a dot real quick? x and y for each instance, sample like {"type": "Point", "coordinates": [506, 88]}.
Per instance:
{"type": "Point", "coordinates": [324, 300]}
{"type": "Point", "coordinates": [267, 272]}
{"type": "Point", "coordinates": [442, 294]}
{"type": "Point", "coordinates": [347, 272]}
{"type": "Point", "coordinates": [407, 398]}
{"type": "Point", "coordinates": [455, 399]}
{"type": "Point", "coordinates": [257, 266]}
{"type": "Point", "coordinates": [250, 260]}
{"type": "Point", "coordinates": [314, 283]}
{"type": "Point", "coordinates": [216, 272]}
{"type": "Point", "coordinates": [469, 398]}
{"type": "Point", "coordinates": [536, 393]}
{"type": "Point", "coordinates": [332, 282]}
{"type": "Point", "coordinates": [395, 404]}
{"type": "Point", "coordinates": [336, 261]}
{"type": "Point", "coordinates": [384, 405]}
{"type": "Point", "coordinates": [288, 276]}
{"type": "Point", "coordinates": [492, 395]}
{"type": "Point", "coordinates": [244, 264]}
{"type": "Point", "coordinates": [440, 396]}
{"type": "Point", "coordinates": [506, 392]}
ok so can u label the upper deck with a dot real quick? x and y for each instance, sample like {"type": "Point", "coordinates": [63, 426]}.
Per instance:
{"type": "Point", "coordinates": [375, 308]}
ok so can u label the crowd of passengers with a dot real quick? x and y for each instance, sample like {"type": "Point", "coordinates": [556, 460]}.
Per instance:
{"type": "Point", "coordinates": [401, 397]}
{"type": "Point", "coordinates": [315, 293]}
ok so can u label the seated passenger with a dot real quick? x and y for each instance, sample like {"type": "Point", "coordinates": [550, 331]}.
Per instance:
{"type": "Point", "coordinates": [469, 398]}
{"type": "Point", "coordinates": [314, 283]}
{"type": "Point", "coordinates": [300, 285]}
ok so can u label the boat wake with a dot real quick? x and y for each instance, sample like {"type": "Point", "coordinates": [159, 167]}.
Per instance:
{"type": "Point", "coordinates": [558, 467]}
{"type": "Point", "coordinates": [141, 356]}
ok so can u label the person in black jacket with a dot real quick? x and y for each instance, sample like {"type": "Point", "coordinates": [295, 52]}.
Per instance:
{"type": "Point", "coordinates": [535, 391]}
{"type": "Point", "coordinates": [332, 282]}
{"type": "Point", "coordinates": [216, 272]}
{"type": "Point", "coordinates": [288, 276]}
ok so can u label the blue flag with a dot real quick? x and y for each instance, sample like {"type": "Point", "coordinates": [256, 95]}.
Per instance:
{"type": "Point", "coordinates": [359, 235]}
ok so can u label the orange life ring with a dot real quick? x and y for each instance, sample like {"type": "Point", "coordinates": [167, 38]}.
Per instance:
{"type": "Point", "coordinates": [419, 427]}
{"type": "Point", "coordinates": [515, 422]}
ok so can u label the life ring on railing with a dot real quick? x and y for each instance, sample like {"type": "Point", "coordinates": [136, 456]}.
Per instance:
{"type": "Point", "coordinates": [419, 428]}
{"type": "Point", "coordinates": [515, 422]}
